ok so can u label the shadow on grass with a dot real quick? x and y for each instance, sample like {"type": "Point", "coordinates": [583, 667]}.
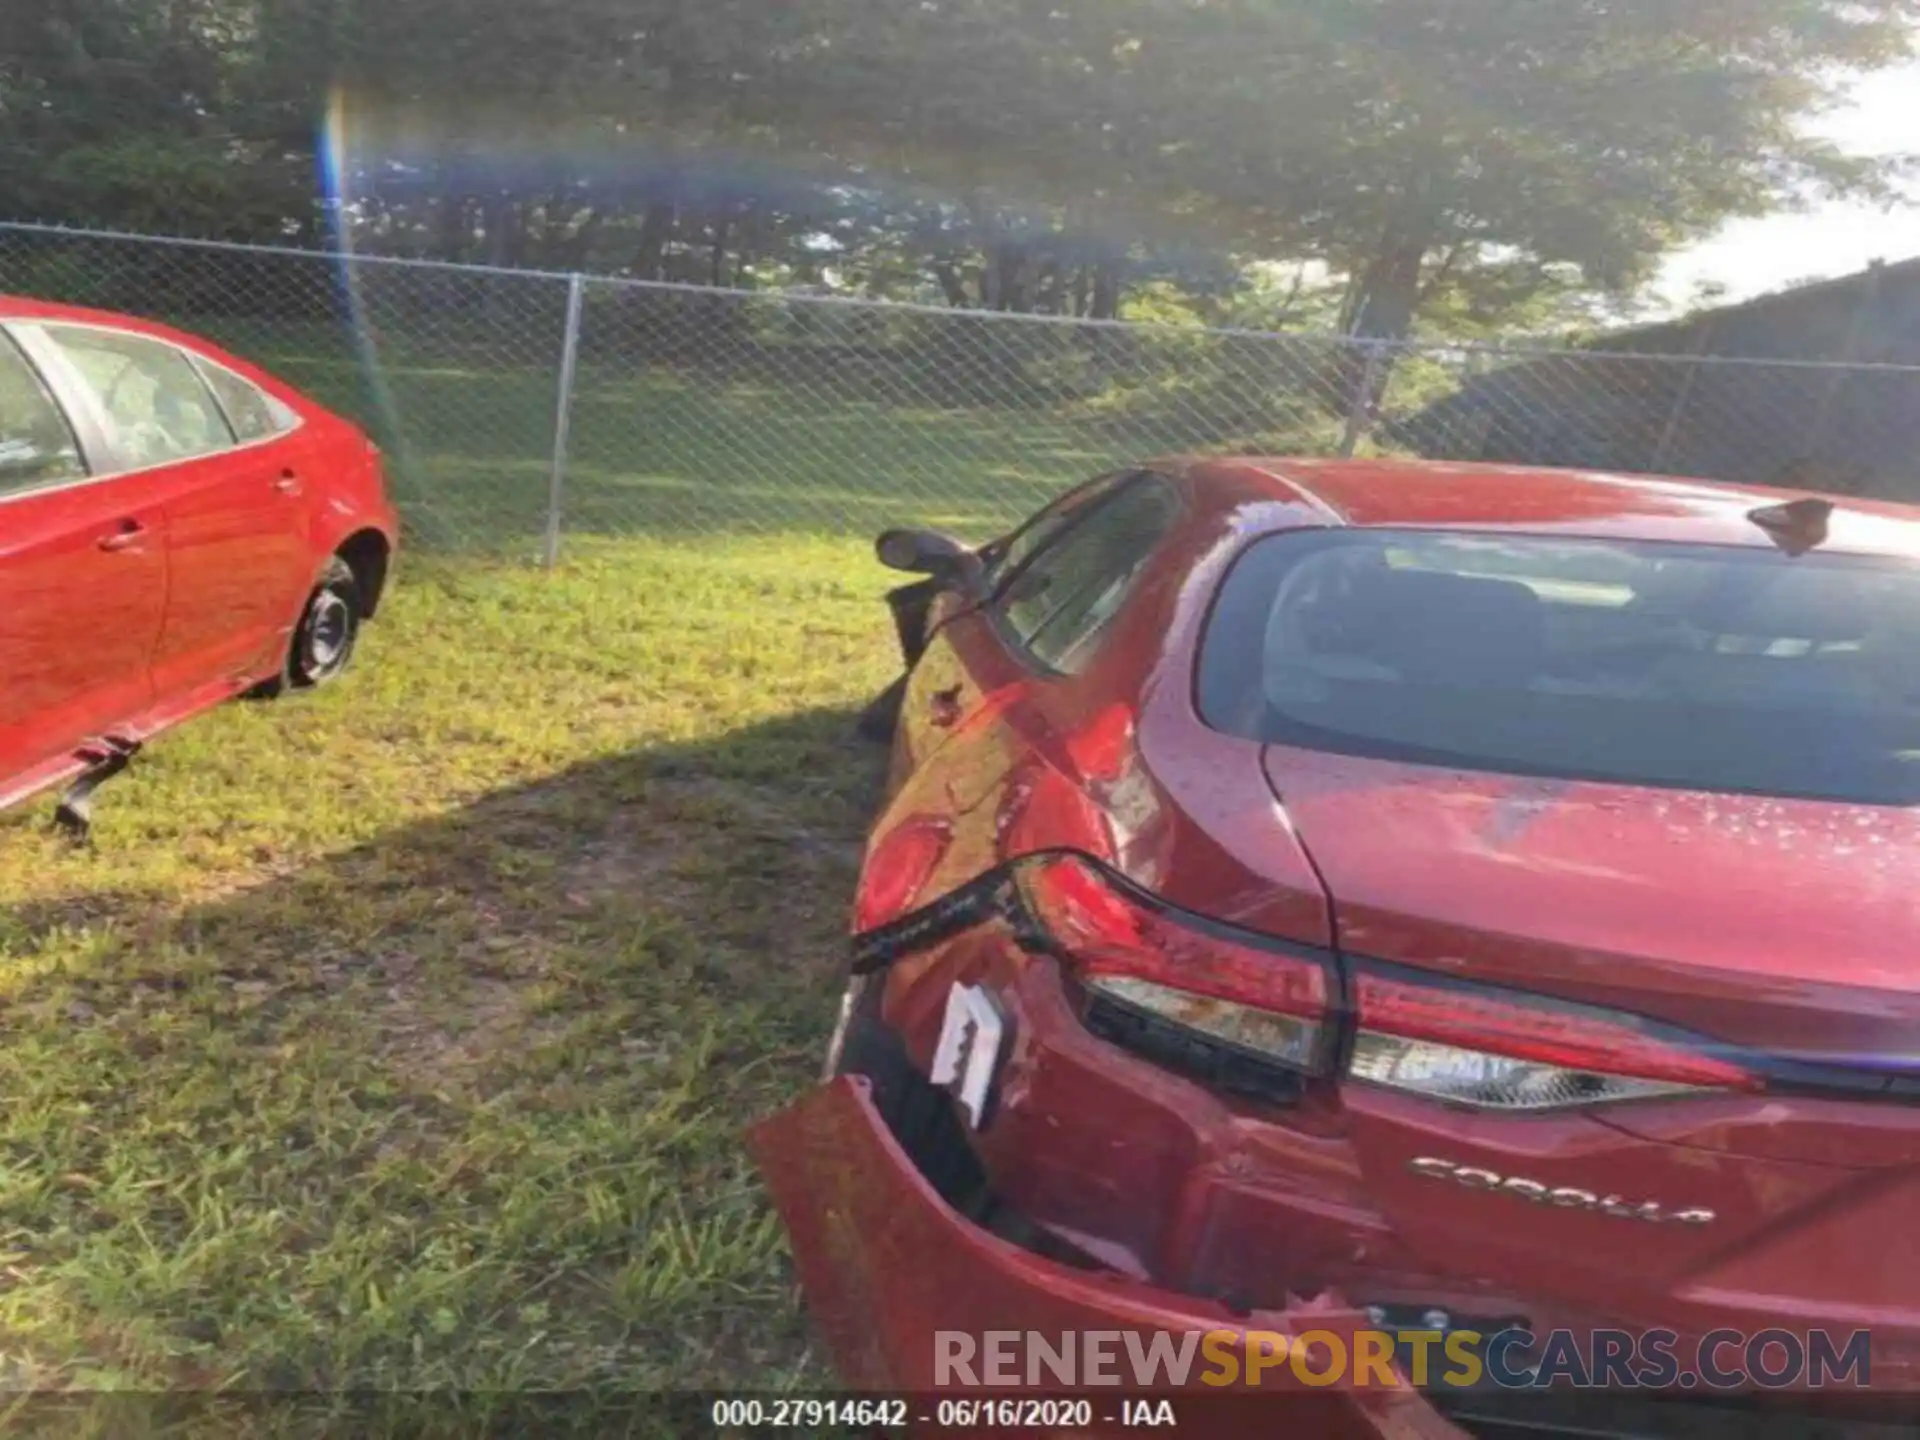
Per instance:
{"type": "Point", "coordinates": [457, 1110]}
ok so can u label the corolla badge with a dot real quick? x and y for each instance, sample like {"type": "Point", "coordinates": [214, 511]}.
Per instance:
{"type": "Point", "coordinates": [1565, 1197]}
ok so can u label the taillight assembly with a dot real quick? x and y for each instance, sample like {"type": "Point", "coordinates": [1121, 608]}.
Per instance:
{"type": "Point", "coordinates": [1248, 1013]}
{"type": "Point", "coordinates": [897, 870]}
{"type": "Point", "coordinates": [1238, 1011]}
{"type": "Point", "coordinates": [1503, 1050]}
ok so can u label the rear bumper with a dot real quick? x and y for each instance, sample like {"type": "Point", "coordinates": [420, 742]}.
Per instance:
{"type": "Point", "coordinates": [887, 1264]}
{"type": "Point", "coordinates": [904, 1225]}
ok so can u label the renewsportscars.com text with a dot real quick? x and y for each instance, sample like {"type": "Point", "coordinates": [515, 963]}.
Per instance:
{"type": "Point", "coordinates": [1430, 1359]}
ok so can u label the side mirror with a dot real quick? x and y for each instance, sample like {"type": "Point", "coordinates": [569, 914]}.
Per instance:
{"type": "Point", "coordinates": [928, 552]}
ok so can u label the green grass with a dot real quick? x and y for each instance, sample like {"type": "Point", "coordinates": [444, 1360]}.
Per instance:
{"type": "Point", "coordinates": [402, 1037]}
{"type": "Point", "coordinates": [756, 440]}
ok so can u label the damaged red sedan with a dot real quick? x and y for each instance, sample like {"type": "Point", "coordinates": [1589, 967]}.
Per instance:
{"type": "Point", "coordinates": [1343, 894]}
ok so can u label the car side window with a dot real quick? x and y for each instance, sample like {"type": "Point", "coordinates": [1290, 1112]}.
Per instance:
{"type": "Point", "coordinates": [1058, 606]}
{"type": "Point", "coordinates": [37, 445]}
{"type": "Point", "coordinates": [254, 414]}
{"type": "Point", "coordinates": [1006, 556]}
{"type": "Point", "coordinates": [156, 405]}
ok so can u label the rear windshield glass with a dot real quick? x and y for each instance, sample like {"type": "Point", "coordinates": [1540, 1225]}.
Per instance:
{"type": "Point", "coordinates": [1701, 667]}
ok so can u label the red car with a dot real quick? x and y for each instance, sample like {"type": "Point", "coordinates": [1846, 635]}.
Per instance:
{"type": "Point", "coordinates": [176, 527]}
{"type": "Point", "coordinates": [1382, 895]}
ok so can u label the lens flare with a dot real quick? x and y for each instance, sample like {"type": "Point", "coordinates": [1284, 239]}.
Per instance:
{"type": "Point", "coordinates": [334, 158]}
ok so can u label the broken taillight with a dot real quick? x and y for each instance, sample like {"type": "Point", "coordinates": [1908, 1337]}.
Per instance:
{"type": "Point", "coordinates": [1246, 1012]}
{"type": "Point", "coordinates": [897, 870]}
{"type": "Point", "coordinates": [1236, 1010]}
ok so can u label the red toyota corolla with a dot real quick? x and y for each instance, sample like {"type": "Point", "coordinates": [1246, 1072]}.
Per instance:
{"type": "Point", "coordinates": [176, 527]}
{"type": "Point", "coordinates": [1459, 896]}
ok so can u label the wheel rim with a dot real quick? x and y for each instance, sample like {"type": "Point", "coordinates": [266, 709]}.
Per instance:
{"type": "Point", "coordinates": [329, 632]}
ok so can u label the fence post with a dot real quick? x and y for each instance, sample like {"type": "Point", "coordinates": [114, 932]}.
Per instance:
{"type": "Point", "coordinates": [563, 416]}
{"type": "Point", "coordinates": [1362, 399]}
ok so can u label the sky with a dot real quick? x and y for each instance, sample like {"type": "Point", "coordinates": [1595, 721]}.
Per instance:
{"type": "Point", "coordinates": [1751, 257]}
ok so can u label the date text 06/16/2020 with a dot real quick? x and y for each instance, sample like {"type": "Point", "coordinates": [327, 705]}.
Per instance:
{"type": "Point", "coordinates": [806, 1414]}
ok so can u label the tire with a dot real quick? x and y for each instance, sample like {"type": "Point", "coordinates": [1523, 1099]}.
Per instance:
{"type": "Point", "coordinates": [329, 628]}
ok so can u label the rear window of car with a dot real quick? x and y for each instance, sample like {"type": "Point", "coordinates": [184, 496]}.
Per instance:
{"type": "Point", "coordinates": [1696, 667]}
{"type": "Point", "coordinates": [253, 414]}
{"type": "Point", "coordinates": [158, 408]}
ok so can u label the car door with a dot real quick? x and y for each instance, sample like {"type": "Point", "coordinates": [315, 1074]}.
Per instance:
{"type": "Point", "coordinates": [236, 503]}
{"type": "Point", "coordinates": [83, 577]}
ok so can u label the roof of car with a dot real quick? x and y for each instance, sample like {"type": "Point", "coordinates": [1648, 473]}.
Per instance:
{"type": "Point", "coordinates": [19, 307]}
{"type": "Point", "coordinates": [1536, 499]}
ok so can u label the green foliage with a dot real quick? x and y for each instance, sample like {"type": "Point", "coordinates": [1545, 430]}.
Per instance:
{"type": "Point", "coordinates": [1464, 162]}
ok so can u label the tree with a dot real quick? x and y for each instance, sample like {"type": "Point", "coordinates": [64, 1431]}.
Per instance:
{"type": "Point", "coordinates": [1408, 143]}
{"type": "Point", "coordinates": [1458, 159]}
{"type": "Point", "coordinates": [1595, 135]}
{"type": "Point", "coordinates": [123, 112]}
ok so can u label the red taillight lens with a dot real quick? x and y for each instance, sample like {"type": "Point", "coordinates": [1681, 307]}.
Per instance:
{"type": "Point", "coordinates": [1174, 968]}
{"type": "Point", "coordinates": [1107, 932]}
{"type": "Point", "coordinates": [1515, 1052]}
{"type": "Point", "coordinates": [897, 870]}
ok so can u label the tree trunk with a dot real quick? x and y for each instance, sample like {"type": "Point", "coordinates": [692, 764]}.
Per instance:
{"type": "Point", "coordinates": [451, 228]}
{"type": "Point", "coordinates": [1388, 295]}
{"type": "Point", "coordinates": [717, 263]}
{"type": "Point", "coordinates": [1381, 301]}
{"type": "Point", "coordinates": [749, 244]}
{"type": "Point", "coordinates": [506, 236]}
{"type": "Point", "coordinates": [1105, 304]}
{"type": "Point", "coordinates": [1051, 290]}
{"type": "Point", "coordinates": [656, 225]}
{"type": "Point", "coordinates": [580, 244]}
{"type": "Point", "coordinates": [1009, 263]}
{"type": "Point", "coordinates": [1082, 281]}
{"type": "Point", "coordinates": [506, 232]}
{"type": "Point", "coordinates": [951, 285]}
{"type": "Point", "coordinates": [551, 243]}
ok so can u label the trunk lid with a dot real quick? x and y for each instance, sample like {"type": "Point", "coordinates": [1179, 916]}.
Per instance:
{"type": "Point", "coordinates": [1791, 926]}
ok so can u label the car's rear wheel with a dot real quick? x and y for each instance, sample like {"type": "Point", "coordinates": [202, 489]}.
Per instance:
{"type": "Point", "coordinates": [329, 628]}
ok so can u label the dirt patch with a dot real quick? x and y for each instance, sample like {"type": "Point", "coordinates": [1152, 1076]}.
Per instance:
{"type": "Point", "coordinates": [426, 1044]}
{"type": "Point", "coordinates": [634, 856]}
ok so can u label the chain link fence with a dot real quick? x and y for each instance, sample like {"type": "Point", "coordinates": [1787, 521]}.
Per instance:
{"type": "Point", "coordinates": [520, 409]}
